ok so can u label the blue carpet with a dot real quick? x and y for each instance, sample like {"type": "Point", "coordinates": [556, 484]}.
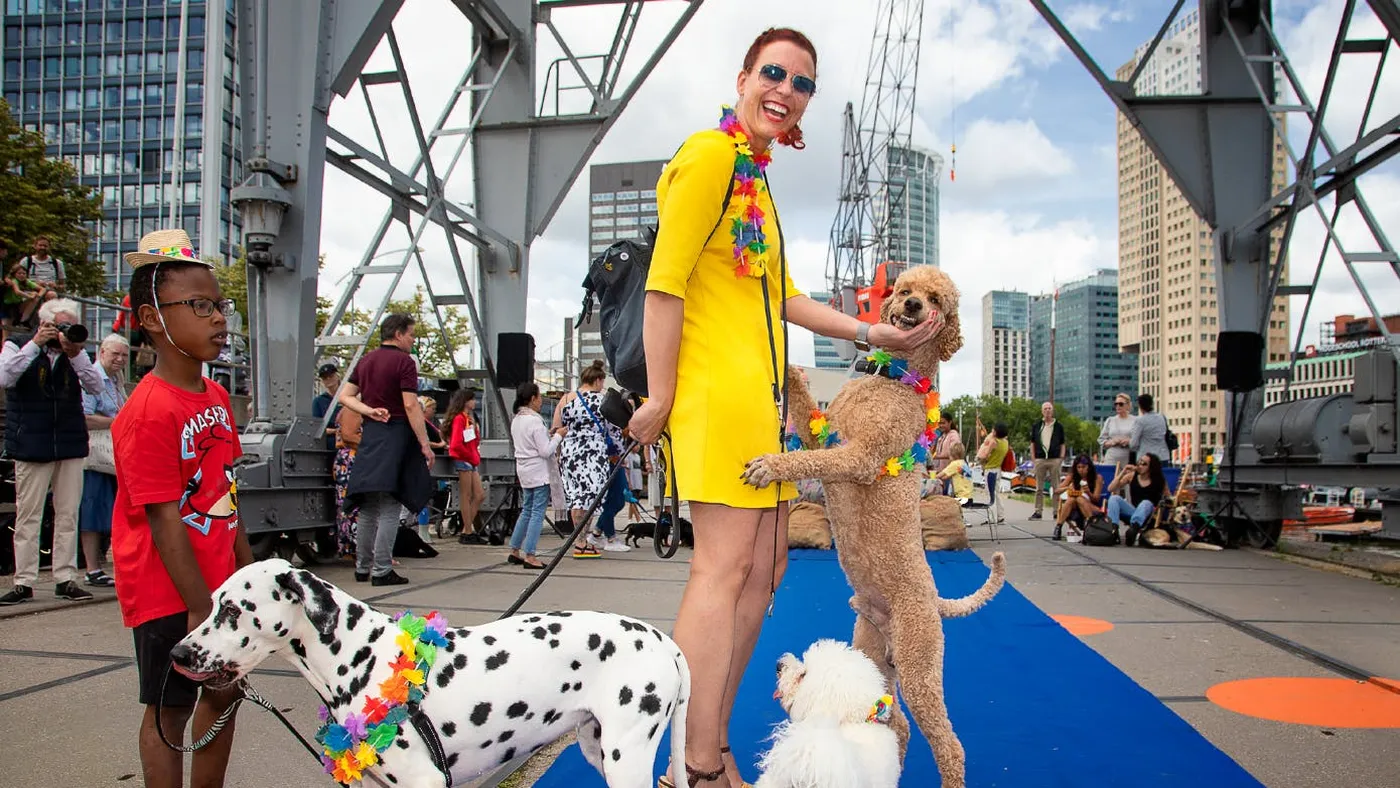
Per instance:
{"type": "Point", "coordinates": [1033, 705]}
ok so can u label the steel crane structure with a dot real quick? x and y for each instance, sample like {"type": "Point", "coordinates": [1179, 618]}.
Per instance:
{"type": "Point", "coordinates": [873, 151]}
{"type": "Point", "coordinates": [1217, 148]}
{"type": "Point", "coordinates": [524, 146]}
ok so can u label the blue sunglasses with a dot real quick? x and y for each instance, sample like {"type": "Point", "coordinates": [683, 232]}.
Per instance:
{"type": "Point", "coordinates": [777, 75]}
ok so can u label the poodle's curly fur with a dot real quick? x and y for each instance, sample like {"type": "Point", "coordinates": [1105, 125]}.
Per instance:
{"type": "Point", "coordinates": [875, 519]}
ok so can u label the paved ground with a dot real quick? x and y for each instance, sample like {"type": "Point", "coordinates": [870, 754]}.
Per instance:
{"type": "Point", "coordinates": [1182, 622]}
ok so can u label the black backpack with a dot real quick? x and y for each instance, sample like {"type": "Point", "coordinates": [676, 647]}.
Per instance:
{"type": "Point", "coordinates": [617, 279]}
{"type": "Point", "coordinates": [1099, 531]}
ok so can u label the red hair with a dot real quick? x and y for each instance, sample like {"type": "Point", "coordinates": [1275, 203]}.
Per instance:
{"type": "Point", "coordinates": [770, 36]}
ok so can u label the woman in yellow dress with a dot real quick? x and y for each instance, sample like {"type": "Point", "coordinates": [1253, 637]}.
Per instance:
{"type": "Point", "coordinates": [716, 348]}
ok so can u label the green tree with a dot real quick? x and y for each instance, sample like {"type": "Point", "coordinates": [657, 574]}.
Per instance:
{"type": "Point", "coordinates": [41, 196]}
{"type": "Point", "coordinates": [434, 357]}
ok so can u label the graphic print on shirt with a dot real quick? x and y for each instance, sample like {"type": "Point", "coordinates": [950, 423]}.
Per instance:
{"type": "Point", "coordinates": [210, 495]}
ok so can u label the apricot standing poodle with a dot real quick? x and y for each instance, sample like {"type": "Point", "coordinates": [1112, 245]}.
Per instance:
{"type": "Point", "coordinates": [875, 517]}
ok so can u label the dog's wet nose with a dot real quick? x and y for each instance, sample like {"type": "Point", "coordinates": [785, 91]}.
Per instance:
{"type": "Point", "coordinates": [181, 655]}
{"type": "Point", "coordinates": [913, 305]}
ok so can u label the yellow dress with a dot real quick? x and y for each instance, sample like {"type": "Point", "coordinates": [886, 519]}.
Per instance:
{"type": "Point", "coordinates": [724, 414]}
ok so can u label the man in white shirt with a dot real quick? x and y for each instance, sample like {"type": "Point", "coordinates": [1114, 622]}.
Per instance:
{"type": "Point", "coordinates": [44, 270]}
{"type": "Point", "coordinates": [44, 377]}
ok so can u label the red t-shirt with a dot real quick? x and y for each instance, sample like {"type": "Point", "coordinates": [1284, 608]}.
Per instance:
{"type": "Point", "coordinates": [172, 445]}
{"type": "Point", "coordinates": [383, 375]}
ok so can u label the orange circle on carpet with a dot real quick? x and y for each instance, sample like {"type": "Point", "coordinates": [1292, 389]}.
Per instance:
{"type": "Point", "coordinates": [1324, 702]}
{"type": "Point", "coordinates": [1079, 625]}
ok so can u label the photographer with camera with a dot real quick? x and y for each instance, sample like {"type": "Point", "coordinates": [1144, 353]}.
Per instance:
{"type": "Point", "coordinates": [46, 435]}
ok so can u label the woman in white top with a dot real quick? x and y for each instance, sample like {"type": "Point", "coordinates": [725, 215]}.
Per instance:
{"type": "Point", "coordinates": [1117, 432]}
{"type": "Point", "coordinates": [534, 448]}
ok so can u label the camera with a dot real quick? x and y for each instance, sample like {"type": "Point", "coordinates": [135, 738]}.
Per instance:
{"type": "Point", "coordinates": [75, 333]}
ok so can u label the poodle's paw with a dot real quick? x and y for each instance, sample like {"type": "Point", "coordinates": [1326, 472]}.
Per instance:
{"type": "Point", "coordinates": [762, 471]}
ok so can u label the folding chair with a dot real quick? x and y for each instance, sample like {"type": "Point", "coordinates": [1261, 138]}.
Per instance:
{"type": "Point", "coordinates": [969, 505]}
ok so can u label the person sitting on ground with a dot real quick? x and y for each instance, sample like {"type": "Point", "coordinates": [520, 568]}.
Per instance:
{"type": "Point", "coordinates": [1143, 484]}
{"type": "Point", "coordinates": [957, 473]}
{"type": "Point", "coordinates": [534, 450]}
{"type": "Point", "coordinates": [1079, 492]}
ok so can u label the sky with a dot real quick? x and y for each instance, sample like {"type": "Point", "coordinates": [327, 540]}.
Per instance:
{"type": "Point", "coordinates": [1035, 200]}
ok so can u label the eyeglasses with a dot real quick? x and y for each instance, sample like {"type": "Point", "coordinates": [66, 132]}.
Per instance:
{"type": "Point", "coordinates": [777, 75]}
{"type": "Point", "coordinates": [1120, 404]}
{"type": "Point", "coordinates": [204, 307]}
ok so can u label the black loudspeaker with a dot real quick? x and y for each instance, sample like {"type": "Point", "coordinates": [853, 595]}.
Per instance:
{"type": "Point", "coordinates": [515, 360]}
{"type": "Point", "coordinates": [1239, 360]}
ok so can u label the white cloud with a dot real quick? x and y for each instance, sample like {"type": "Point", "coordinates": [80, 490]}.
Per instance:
{"type": "Point", "coordinates": [1090, 17]}
{"type": "Point", "coordinates": [999, 155]}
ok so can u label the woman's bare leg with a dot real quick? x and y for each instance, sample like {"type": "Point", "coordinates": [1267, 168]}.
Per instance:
{"type": "Point", "coordinates": [768, 569]}
{"type": "Point", "coordinates": [707, 623]}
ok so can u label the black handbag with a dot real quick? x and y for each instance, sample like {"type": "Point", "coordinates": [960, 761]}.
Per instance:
{"type": "Point", "coordinates": [1099, 531]}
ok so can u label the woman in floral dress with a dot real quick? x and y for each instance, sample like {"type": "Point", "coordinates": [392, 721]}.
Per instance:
{"type": "Point", "coordinates": [586, 458]}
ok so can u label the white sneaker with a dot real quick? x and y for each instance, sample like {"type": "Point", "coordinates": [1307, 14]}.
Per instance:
{"type": "Point", "coordinates": [616, 545]}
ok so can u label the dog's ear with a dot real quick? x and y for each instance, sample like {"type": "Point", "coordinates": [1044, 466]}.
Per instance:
{"type": "Point", "coordinates": [313, 594]}
{"type": "Point", "coordinates": [320, 605]}
{"type": "Point", "coordinates": [288, 586]}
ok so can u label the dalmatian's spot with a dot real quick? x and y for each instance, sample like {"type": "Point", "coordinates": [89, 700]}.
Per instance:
{"type": "Point", "coordinates": [493, 680]}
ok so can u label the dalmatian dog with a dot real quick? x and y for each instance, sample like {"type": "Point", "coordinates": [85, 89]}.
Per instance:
{"type": "Point", "coordinates": [495, 691]}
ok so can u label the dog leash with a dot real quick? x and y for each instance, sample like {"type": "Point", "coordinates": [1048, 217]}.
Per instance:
{"type": "Point", "coordinates": [420, 722]}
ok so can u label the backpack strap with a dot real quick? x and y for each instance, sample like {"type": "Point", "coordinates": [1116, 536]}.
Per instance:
{"type": "Point", "coordinates": [612, 447]}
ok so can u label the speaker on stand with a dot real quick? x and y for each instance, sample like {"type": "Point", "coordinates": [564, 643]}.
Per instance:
{"type": "Point", "coordinates": [1239, 369]}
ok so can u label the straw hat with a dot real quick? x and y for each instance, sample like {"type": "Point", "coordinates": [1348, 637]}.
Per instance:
{"type": "Point", "coordinates": [164, 246]}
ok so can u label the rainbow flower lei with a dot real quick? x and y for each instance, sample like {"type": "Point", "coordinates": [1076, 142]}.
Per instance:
{"type": "Point", "coordinates": [882, 363]}
{"type": "Point", "coordinates": [750, 242]}
{"type": "Point", "coordinates": [883, 709]}
{"type": "Point", "coordinates": [354, 744]}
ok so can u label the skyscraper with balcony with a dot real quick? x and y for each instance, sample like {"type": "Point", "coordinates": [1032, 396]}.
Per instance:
{"type": "Point", "coordinates": [152, 127]}
{"type": "Point", "coordinates": [913, 175]}
{"type": "Point", "coordinates": [1005, 344]}
{"type": "Point", "coordinates": [1168, 311]}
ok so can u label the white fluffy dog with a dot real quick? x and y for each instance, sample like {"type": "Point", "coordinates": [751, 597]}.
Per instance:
{"type": "Point", "coordinates": [836, 735]}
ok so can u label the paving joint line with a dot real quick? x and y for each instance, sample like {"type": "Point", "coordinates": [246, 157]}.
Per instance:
{"type": "Point", "coordinates": [87, 674]}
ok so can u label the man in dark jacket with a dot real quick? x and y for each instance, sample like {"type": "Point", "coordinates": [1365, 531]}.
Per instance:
{"type": "Point", "coordinates": [1048, 450]}
{"type": "Point", "coordinates": [392, 465]}
{"type": "Point", "coordinates": [44, 377]}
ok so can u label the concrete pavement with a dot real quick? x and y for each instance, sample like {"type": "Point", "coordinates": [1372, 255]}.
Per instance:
{"type": "Point", "coordinates": [1180, 623]}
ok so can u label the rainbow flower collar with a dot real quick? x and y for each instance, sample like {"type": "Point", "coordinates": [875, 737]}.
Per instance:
{"type": "Point", "coordinates": [354, 744]}
{"type": "Point", "coordinates": [882, 711]}
{"type": "Point", "coordinates": [883, 364]}
{"type": "Point", "coordinates": [750, 242]}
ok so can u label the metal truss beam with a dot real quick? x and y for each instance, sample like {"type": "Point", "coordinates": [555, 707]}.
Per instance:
{"type": "Point", "coordinates": [1218, 149]}
{"type": "Point", "coordinates": [297, 57]}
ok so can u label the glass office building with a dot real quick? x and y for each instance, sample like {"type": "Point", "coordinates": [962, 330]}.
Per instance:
{"type": "Point", "coordinates": [621, 201]}
{"type": "Point", "coordinates": [101, 80]}
{"type": "Point", "coordinates": [913, 174]}
{"type": "Point", "coordinates": [1088, 367]}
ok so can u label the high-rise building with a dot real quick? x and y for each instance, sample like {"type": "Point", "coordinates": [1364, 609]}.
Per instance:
{"type": "Point", "coordinates": [621, 201]}
{"type": "Point", "coordinates": [913, 175]}
{"type": "Point", "coordinates": [1168, 309]}
{"type": "Point", "coordinates": [1088, 367]}
{"type": "Point", "coordinates": [823, 349]}
{"type": "Point", "coordinates": [1006, 358]}
{"type": "Point", "coordinates": [102, 80]}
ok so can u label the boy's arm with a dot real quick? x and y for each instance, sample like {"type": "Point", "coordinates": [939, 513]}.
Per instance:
{"type": "Point", "coordinates": [173, 544]}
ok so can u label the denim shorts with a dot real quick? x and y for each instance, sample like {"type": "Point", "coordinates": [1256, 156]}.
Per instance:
{"type": "Point", "coordinates": [462, 467]}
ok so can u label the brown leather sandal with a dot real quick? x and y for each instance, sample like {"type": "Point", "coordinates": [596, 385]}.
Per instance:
{"type": "Point", "coordinates": [692, 775]}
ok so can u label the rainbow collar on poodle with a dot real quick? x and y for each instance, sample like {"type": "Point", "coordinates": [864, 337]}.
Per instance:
{"type": "Point", "coordinates": [882, 711]}
{"type": "Point", "coordinates": [883, 364]}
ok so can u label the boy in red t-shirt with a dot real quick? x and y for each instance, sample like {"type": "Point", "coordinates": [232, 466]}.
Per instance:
{"type": "Point", "coordinates": [175, 530]}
